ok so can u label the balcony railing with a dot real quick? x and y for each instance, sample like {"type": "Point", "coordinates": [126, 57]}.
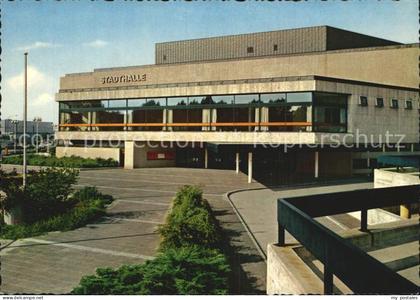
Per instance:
{"type": "Point", "coordinates": [362, 273]}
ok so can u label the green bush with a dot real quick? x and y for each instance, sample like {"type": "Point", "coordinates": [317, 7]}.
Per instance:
{"type": "Point", "coordinates": [65, 162]}
{"type": "Point", "coordinates": [190, 270]}
{"type": "Point", "coordinates": [84, 211]}
{"type": "Point", "coordinates": [190, 222]}
{"type": "Point", "coordinates": [190, 261]}
{"type": "Point", "coordinates": [46, 193]}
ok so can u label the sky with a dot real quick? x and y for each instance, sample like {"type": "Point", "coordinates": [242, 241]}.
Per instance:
{"type": "Point", "coordinates": [77, 36]}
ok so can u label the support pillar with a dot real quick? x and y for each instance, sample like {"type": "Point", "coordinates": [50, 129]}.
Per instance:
{"type": "Point", "coordinates": [364, 220]}
{"type": "Point", "coordinates": [237, 162]}
{"type": "Point", "coordinates": [206, 158]}
{"type": "Point", "coordinates": [249, 167]}
{"type": "Point", "coordinates": [129, 155]}
{"type": "Point", "coordinates": [405, 211]}
{"type": "Point", "coordinates": [316, 164]}
{"type": "Point", "coordinates": [368, 159]}
{"type": "Point", "coordinates": [328, 281]}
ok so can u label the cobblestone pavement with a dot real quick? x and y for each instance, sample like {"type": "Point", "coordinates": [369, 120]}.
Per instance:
{"type": "Point", "coordinates": [55, 262]}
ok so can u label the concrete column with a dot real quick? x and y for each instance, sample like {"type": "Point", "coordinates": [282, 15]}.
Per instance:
{"type": "Point", "coordinates": [206, 158]}
{"type": "Point", "coordinates": [249, 167]}
{"type": "Point", "coordinates": [412, 147]}
{"type": "Point", "coordinates": [237, 162]}
{"type": "Point", "coordinates": [405, 211]}
{"type": "Point", "coordinates": [316, 164]}
{"type": "Point", "coordinates": [129, 155]}
{"type": "Point", "coordinates": [368, 160]}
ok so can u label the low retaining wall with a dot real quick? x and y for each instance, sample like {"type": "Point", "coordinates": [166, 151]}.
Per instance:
{"type": "Point", "coordinates": [87, 152]}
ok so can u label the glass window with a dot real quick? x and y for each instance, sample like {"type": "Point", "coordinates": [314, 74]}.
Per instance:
{"type": "Point", "coordinates": [273, 98]}
{"type": "Point", "coordinates": [250, 50]}
{"type": "Point", "coordinates": [141, 117]}
{"type": "Point", "coordinates": [228, 99]}
{"type": "Point", "coordinates": [244, 115]}
{"type": "Point", "coordinates": [64, 105]}
{"type": "Point", "coordinates": [298, 97]}
{"type": "Point", "coordinates": [203, 100]}
{"type": "Point", "coordinates": [379, 102]}
{"type": "Point", "coordinates": [224, 115]}
{"type": "Point", "coordinates": [136, 102]}
{"type": "Point", "coordinates": [330, 112]}
{"type": "Point", "coordinates": [161, 102]}
{"type": "Point", "coordinates": [106, 120]}
{"type": "Point", "coordinates": [363, 101]}
{"type": "Point", "coordinates": [394, 103]}
{"type": "Point", "coordinates": [117, 103]}
{"type": "Point", "coordinates": [175, 101]}
{"type": "Point", "coordinates": [408, 104]}
{"type": "Point", "coordinates": [246, 99]}
{"type": "Point", "coordinates": [74, 118]}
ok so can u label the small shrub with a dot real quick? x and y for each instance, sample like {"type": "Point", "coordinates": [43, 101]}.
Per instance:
{"type": "Point", "coordinates": [190, 222]}
{"type": "Point", "coordinates": [184, 271]}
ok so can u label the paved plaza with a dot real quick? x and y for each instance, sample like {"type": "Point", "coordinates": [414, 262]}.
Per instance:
{"type": "Point", "coordinates": [55, 262]}
{"type": "Point", "coordinates": [261, 218]}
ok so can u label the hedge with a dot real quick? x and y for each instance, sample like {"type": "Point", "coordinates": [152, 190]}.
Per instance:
{"type": "Point", "coordinates": [65, 162]}
{"type": "Point", "coordinates": [189, 262]}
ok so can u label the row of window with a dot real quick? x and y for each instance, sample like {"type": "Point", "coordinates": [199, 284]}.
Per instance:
{"type": "Point", "coordinates": [393, 103]}
{"type": "Point", "coordinates": [321, 111]}
{"type": "Point", "coordinates": [272, 98]}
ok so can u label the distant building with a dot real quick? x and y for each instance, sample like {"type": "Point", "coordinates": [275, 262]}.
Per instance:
{"type": "Point", "coordinates": [15, 127]}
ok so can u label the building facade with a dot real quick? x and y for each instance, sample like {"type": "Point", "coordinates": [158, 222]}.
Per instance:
{"type": "Point", "coordinates": [282, 106]}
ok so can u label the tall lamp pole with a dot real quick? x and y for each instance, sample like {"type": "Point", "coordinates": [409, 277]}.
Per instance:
{"type": "Point", "coordinates": [25, 109]}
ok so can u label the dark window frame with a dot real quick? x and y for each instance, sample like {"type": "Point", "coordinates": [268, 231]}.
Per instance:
{"type": "Point", "coordinates": [363, 101]}
{"type": "Point", "coordinates": [379, 102]}
{"type": "Point", "coordinates": [409, 104]}
{"type": "Point", "coordinates": [394, 104]}
{"type": "Point", "coordinates": [250, 49]}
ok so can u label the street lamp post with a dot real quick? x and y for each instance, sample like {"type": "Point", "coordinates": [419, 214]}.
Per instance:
{"type": "Point", "coordinates": [25, 109]}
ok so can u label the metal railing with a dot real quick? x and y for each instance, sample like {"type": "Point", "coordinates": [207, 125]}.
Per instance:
{"type": "Point", "coordinates": [362, 273]}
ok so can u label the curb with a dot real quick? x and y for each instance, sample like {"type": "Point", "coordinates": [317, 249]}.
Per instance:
{"type": "Point", "coordinates": [241, 219]}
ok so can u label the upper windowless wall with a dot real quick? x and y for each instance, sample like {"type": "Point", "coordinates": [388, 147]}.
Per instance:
{"type": "Point", "coordinates": [289, 41]}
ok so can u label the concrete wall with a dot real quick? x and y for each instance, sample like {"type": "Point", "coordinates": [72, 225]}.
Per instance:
{"type": "Point", "coordinates": [377, 121]}
{"type": "Point", "coordinates": [136, 156]}
{"type": "Point", "coordinates": [298, 40]}
{"type": "Point", "coordinates": [385, 178]}
{"type": "Point", "coordinates": [392, 65]}
{"type": "Point", "coordinates": [86, 152]}
{"type": "Point", "coordinates": [288, 274]}
{"type": "Point", "coordinates": [211, 137]}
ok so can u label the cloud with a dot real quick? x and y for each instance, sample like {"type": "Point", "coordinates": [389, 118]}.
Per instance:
{"type": "Point", "coordinates": [41, 89]}
{"type": "Point", "coordinates": [96, 44]}
{"type": "Point", "coordinates": [43, 99]}
{"type": "Point", "coordinates": [38, 45]}
{"type": "Point", "coordinates": [35, 77]}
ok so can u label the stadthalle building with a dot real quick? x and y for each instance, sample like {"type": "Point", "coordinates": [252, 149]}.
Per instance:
{"type": "Point", "coordinates": [282, 106]}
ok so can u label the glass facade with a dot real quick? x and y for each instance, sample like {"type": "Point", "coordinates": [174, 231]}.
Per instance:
{"type": "Point", "coordinates": [309, 111]}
